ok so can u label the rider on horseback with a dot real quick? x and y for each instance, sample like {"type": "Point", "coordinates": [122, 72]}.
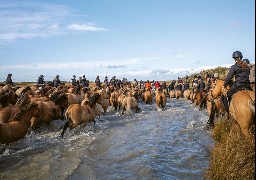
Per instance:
{"type": "Point", "coordinates": [241, 72]}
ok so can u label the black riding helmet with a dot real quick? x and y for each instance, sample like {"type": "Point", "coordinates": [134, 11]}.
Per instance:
{"type": "Point", "coordinates": [237, 54]}
{"type": "Point", "coordinates": [246, 61]}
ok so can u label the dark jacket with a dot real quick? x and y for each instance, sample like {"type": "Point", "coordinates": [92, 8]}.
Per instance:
{"type": "Point", "coordinates": [83, 81]}
{"type": "Point", "coordinates": [56, 82]}
{"type": "Point", "coordinates": [9, 81]}
{"type": "Point", "coordinates": [185, 86]}
{"type": "Point", "coordinates": [40, 81]}
{"type": "Point", "coordinates": [74, 83]}
{"type": "Point", "coordinates": [201, 85]}
{"type": "Point", "coordinates": [97, 82]}
{"type": "Point", "coordinates": [241, 76]}
{"type": "Point", "coordinates": [179, 87]}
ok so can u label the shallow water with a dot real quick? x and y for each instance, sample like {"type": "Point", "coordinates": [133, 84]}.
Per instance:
{"type": "Point", "coordinates": [152, 144]}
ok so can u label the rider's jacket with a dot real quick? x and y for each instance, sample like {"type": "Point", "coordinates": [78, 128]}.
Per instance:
{"type": "Point", "coordinates": [241, 76]}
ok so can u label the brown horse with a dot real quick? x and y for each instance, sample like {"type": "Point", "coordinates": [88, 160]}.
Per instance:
{"type": "Point", "coordinates": [200, 100]}
{"type": "Point", "coordinates": [7, 96]}
{"type": "Point", "coordinates": [148, 96]}
{"type": "Point", "coordinates": [114, 99]}
{"type": "Point", "coordinates": [242, 106]}
{"type": "Point", "coordinates": [81, 114]}
{"type": "Point", "coordinates": [129, 103]}
{"type": "Point", "coordinates": [178, 94]}
{"type": "Point", "coordinates": [186, 94]}
{"type": "Point", "coordinates": [172, 94]}
{"type": "Point", "coordinates": [161, 99]}
{"type": "Point", "coordinates": [51, 110]}
{"type": "Point", "coordinates": [105, 95]}
{"type": "Point", "coordinates": [242, 109]}
{"type": "Point", "coordinates": [18, 128]}
{"type": "Point", "coordinates": [7, 113]}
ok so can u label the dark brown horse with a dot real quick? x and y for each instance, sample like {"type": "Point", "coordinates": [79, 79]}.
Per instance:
{"type": "Point", "coordinates": [7, 96]}
{"type": "Point", "coordinates": [18, 128]}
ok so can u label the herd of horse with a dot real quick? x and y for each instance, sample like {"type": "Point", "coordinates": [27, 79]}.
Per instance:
{"type": "Point", "coordinates": [26, 108]}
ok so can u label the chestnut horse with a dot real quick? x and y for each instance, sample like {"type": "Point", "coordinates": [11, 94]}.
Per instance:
{"type": "Point", "coordinates": [148, 96]}
{"type": "Point", "coordinates": [172, 94]}
{"type": "Point", "coordinates": [51, 110]}
{"type": "Point", "coordinates": [200, 100]}
{"type": "Point", "coordinates": [81, 114]}
{"type": "Point", "coordinates": [214, 103]}
{"type": "Point", "coordinates": [178, 94]}
{"type": "Point", "coordinates": [242, 106]}
{"type": "Point", "coordinates": [129, 103]}
{"type": "Point", "coordinates": [186, 94]}
{"type": "Point", "coordinates": [18, 128]}
{"type": "Point", "coordinates": [8, 112]}
{"type": "Point", "coordinates": [160, 99]}
{"type": "Point", "coordinates": [114, 99]}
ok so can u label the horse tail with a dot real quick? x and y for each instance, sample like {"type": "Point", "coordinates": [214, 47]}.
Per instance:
{"type": "Point", "coordinates": [251, 102]}
{"type": "Point", "coordinates": [65, 126]}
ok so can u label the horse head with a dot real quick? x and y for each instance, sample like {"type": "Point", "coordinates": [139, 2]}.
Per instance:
{"type": "Point", "coordinates": [95, 98]}
{"type": "Point", "coordinates": [25, 114]}
{"type": "Point", "coordinates": [59, 98]}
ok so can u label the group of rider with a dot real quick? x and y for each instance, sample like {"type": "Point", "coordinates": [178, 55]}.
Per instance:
{"type": "Point", "coordinates": [242, 70]}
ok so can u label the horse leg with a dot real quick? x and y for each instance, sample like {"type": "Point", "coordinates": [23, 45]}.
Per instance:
{"type": "Point", "coordinates": [62, 108]}
{"type": "Point", "coordinates": [123, 109]}
{"type": "Point", "coordinates": [65, 128]}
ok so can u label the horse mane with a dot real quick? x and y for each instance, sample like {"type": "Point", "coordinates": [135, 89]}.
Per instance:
{"type": "Point", "coordinates": [22, 111]}
{"type": "Point", "coordinates": [59, 97]}
{"type": "Point", "coordinates": [93, 99]}
{"type": "Point", "coordinates": [23, 99]}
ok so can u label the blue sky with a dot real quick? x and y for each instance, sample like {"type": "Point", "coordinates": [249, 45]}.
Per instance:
{"type": "Point", "coordinates": [142, 39]}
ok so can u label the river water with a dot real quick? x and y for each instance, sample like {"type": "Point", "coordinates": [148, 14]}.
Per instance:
{"type": "Point", "coordinates": [151, 144]}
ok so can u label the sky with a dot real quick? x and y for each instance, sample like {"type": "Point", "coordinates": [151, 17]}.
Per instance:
{"type": "Point", "coordinates": [141, 39]}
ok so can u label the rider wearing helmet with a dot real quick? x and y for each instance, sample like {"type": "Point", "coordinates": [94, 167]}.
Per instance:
{"type": "Point", "coordinates": [9, 80]}
{"type": "Point", "coordinates": [240, 70]}
{"type": "Point", "coordinates": [40, 81]}
{"type": "Point", "coordinates": [74, 82]}
{"type": "Point", "coordinates": [97, 82]}
{"type": "Point", "coordinates": [56, 81]}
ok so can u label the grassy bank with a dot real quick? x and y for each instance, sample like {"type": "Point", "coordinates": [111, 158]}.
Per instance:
{"type": "Point", "coordinates": [232, 157]}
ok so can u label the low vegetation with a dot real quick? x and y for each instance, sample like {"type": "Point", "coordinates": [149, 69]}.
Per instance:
{"type": "Point", "coordinates": [232, 157]}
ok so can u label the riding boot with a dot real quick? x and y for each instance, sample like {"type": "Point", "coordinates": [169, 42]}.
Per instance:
{"type": "Point", "coordinates": [226, 104]}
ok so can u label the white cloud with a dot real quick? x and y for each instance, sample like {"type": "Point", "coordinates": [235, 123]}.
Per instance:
{"type": "Point", "coordinates": [72, 65]}
{"type": "Point", "coordinates": [85, 27]}
{"type": "Point", "coordinates": [26, 20]}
